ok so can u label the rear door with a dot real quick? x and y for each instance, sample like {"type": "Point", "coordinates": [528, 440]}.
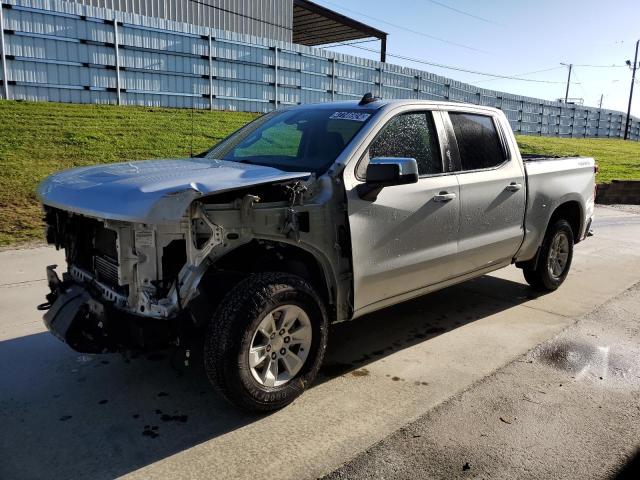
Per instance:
{"type": "Point", "coordinates": [492, 190]}
{"type": "Point", "coordinates": [406, 238]}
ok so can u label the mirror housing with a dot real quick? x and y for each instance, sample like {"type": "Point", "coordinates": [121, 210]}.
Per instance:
{"type": "Point", "coordinates": [387, 172]}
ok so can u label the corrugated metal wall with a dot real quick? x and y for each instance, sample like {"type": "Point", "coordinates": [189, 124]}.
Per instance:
{"type": "Point", "coordinates": [261, 18]}
{"type": "Point", "coordinates": [62, 51]}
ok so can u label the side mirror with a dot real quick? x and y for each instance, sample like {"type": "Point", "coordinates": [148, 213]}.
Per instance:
{"type": "Point", "coordinates": [387, 172]}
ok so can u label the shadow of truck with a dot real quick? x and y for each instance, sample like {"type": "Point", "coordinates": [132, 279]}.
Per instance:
{"type": "Point", "coordinates": [68, 415]}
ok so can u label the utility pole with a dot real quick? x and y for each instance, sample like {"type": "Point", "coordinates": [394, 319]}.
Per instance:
{"type": "Point", "coordinates": [566, 94]}
{"type": "Point", "coordinates": [600, 104]}
{"type": "Point", "coordinates": [633, 80]}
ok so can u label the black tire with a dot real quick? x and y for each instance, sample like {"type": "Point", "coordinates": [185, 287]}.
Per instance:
{"type": "Point", "coordinates": [538, 274]}
{"type": "Point", "coordinates": [230, 333]}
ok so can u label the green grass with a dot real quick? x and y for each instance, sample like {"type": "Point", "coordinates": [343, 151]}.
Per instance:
{"type": "Point", "coordinates": [37, 139]}
{"type": "Point", "coordinates": [617, 159]}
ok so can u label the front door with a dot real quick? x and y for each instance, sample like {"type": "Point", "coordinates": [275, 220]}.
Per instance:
{"type": "Point", "coordinates": [405, 239]}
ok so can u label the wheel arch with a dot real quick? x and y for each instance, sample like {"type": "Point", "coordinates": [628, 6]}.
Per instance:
{"type": "Point", "coordinates": [572, 212]}
{"type": "Point", "coordinates": [261, 255]}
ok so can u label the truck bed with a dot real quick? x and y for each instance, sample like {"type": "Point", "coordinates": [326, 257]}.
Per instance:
{"type": "Point", "coordinates": [535, 157]}
{"type": "Point", "coordinates": [552, 181]}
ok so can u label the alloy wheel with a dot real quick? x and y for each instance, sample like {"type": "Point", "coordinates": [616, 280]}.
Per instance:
{"type": "Point", "coordinates": [280, 345]}
{"type": "Point", "coordinates": [558, 255]}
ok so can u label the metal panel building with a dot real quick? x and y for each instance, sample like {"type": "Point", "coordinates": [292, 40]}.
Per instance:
{"type": "Point", "coordinates": [297, 21]}
{"type": "Point", "coordinates": [260, 18]}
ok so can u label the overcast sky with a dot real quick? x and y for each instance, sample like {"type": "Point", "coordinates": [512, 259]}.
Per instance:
{"type": "Point", "coordinates": [512, 37]}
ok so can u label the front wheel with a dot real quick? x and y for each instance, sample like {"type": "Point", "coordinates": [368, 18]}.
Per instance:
{"type": "Point", "coordinates": [554, 260]}
{"type": "Point", "coordinates": [266, 341]}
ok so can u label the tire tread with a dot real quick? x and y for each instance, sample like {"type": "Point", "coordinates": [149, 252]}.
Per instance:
{"type": "Point", "coordinates": [536, 274]}
{"type": "Point", "coordinates": [229, 323]}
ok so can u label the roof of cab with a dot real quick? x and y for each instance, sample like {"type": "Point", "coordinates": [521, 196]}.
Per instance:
{"type": "Point", "coordinates": [379, 103]}
{"type": "Point", "coordinates": [350, 104]}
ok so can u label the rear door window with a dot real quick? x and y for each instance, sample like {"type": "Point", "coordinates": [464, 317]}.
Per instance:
{"type": "Point", "coordinates": [478, 141]}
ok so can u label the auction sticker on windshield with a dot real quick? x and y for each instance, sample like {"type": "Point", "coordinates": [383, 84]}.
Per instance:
{"type": "Point", "coordinates": [355, 116]}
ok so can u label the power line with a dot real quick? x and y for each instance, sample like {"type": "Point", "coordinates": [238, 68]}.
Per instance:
{"type": "Point", "coordinates": [416, 32]}
{"type": "Point", "coordinates": [256, 19]}
{"type": "Point", "coordinates": [458, 69]}
{"type": "Point", "coordinates": [575, 73]}
{"type": "Point", "coordinates": [521, 74]}
{"type": "Point", "coordinates": [462, 12]}
{"type": "Point", "coordinates": [346, 44]}
{"type": "Point", "coordinates": [598, 66]}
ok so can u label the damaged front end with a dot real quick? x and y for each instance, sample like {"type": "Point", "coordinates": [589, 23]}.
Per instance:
{"type": "Point", "coordinates": [117, 291]}
{"type": "Point", "coordinates": [80, 317]}
{"type": "Point", "coordinates": [141, 286]}
{"type": "Point", "coordinates": [136, 245]}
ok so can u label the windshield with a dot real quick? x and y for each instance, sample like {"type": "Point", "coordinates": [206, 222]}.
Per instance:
{"type": "Point", "coordinates": [293, 140]}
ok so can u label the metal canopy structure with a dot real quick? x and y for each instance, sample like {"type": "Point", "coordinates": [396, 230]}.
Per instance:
{"type": "Point", "coordinates": [316, 25]}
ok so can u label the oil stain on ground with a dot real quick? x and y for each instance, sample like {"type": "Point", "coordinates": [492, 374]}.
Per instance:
{"type": "Point", "coordinates": [165, 417]}
{"type": "Point", "coordinates": [574, 357]}
{"type": "Point", "coordinates": [150, 431]}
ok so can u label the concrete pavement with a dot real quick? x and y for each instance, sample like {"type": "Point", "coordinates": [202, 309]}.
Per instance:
{"type": "Point", "coordinates": [568, 409]}
{"type": "Point", "coordinates": [82, 416]}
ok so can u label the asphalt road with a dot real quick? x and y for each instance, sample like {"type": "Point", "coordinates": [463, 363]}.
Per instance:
{"type": "Point", "coordinates": [67, 415]}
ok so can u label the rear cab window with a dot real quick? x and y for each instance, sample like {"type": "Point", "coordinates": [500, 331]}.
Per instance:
{"type": "Point", "coordinates": [479, 143]}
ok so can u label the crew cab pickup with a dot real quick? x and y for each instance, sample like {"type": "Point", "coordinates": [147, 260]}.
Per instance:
{"type": "Point", "coordinates": [306, 216]}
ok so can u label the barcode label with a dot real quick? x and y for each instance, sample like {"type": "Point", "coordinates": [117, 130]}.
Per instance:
{"type": "Point", "coordinates": [355, 116]}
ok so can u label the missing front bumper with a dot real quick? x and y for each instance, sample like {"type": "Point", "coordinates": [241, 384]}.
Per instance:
{"type": "Point", "coordinates": [92, 325]}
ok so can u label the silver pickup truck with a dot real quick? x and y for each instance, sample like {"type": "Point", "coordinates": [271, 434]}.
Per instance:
{"type": "Point", "coordinates": [306, 216]}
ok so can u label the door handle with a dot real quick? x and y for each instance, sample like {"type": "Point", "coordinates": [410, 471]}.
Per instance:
{"type": "Point", "coordinates": [513, 187]}
{"type": "Point", "coordinates": [444, 197]}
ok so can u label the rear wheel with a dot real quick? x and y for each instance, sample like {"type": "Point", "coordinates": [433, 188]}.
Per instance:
{"type": "Point", "coordinates": [554, 260]}
{"type": "Point", "coordinates": [266, 341]}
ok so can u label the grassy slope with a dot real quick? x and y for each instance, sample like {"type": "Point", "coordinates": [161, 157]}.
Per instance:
{"type": "Point", "coordinates": [37, 139]}
{"type": "Point", "coordinates": [616, 158]}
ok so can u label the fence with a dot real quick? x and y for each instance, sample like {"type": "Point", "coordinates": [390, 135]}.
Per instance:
{"type": "Point", "coordinates": [60, 51]}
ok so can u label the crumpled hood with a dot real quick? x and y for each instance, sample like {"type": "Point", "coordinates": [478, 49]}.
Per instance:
{"type": "Point", "coordinates": [151, 191]}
